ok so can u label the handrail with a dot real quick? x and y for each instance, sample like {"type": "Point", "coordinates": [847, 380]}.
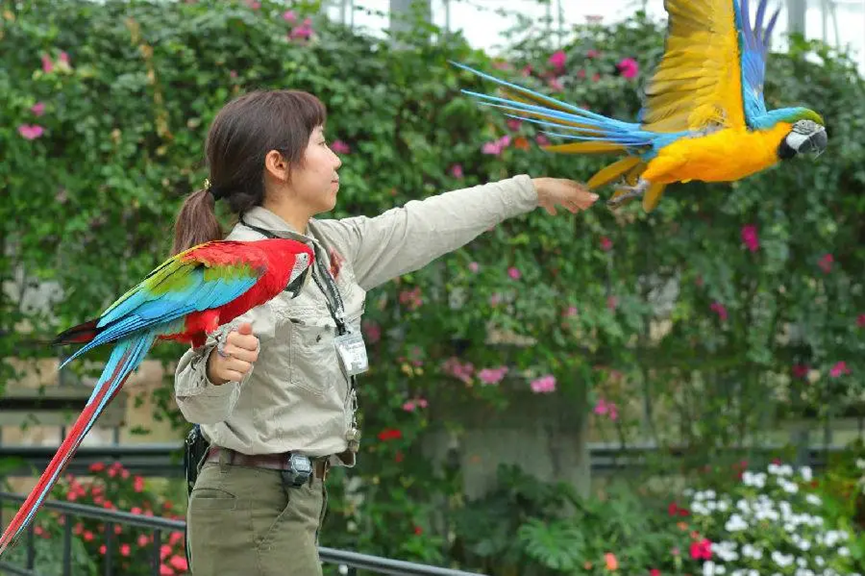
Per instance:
{"type": "Point", "coordinates": [351, 560]}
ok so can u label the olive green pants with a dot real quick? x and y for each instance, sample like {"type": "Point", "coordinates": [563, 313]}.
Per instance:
{"type": "Point", "coordinates": [242, 521]}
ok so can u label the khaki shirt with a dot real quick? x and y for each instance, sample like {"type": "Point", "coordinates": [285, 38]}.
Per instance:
{"type": "Point", "coordinates": [296, 396]}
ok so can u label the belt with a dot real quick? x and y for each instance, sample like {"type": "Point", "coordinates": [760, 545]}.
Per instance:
{"type": "Point", "coordinates": [278, 461]}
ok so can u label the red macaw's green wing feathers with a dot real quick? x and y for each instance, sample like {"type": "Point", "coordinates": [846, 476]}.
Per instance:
{"type": "Point", "coordinates": [220, 279]}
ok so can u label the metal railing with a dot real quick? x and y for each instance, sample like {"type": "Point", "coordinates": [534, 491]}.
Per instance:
{"type": "Point", "coordinates": [164, 460]}
{"type": "Point", "coordinates": [352, 561]}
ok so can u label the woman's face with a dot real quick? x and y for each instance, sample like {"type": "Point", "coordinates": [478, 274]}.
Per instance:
{"type": "Point", "coordinates": [315, 182]}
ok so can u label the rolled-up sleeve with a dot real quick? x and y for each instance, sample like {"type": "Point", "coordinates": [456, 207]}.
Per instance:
{"type": "Point", "coordinates": [200, 400]}
{"type": "Point", "coordinates": [407, 238]}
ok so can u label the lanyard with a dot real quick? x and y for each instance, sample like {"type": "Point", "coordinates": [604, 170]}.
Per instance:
{"type": "Point", "coordinates": [332, 297]}
{"type": "Point", "coordinates": [336, 307]}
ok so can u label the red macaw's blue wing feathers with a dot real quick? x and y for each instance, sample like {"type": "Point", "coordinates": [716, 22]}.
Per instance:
{"type": "Point", "coordinates": [754, 46]}
{"type": "Point", "coordinates": [219, 279]}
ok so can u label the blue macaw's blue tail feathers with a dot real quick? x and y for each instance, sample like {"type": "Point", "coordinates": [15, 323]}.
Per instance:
{"type": "Point", "coordinates": [563, 120]}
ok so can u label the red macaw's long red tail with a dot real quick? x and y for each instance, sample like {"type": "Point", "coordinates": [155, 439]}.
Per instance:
{"type": "Point", "coordinates": [126, 356]}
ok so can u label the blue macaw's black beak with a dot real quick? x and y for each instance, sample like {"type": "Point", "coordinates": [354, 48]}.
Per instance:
{"type": "Point", "coordinates": [818, 141]}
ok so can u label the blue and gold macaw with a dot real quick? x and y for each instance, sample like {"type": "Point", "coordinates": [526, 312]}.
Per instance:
{"type": "Point", "coordinates": [704, 116]}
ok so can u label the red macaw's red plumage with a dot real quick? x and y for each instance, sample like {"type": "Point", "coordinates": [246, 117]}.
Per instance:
{"type": "Point", "coordinates": [184, 299]}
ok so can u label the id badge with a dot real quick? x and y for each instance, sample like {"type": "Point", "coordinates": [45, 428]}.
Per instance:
{"type": "Point", "coordinates": [352, 353]}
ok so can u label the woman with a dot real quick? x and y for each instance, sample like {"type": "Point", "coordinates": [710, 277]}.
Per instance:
{"type": "Point", "coordinates": [276, 401]}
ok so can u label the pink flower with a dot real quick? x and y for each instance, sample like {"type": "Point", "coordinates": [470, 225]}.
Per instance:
{"type": "Point", "coordinates": [839, 369]}
{"type": "Point", "coordinates": [254, 4]}
{"type": "Point", "coordinates": [544, 384]}
{"type": "Point", "coordinates": [749, 237]}
{"type": "Point", "coordinates": [409, 406]}
{"type": "Point", "coordinates": [514, 273]}
{"type": "Point", "coordinates": [178, 563]}
{"type": "Point", "coordinates": [501, 65]}
{"type": "Point", "coordinates": [612, 302]}
{"type": "Point", "coordinates": [719, 309]}
{"type": "Point", "coordinates": [474, 267]}
{"type": "Point", "coordinates": [143, 540]}
{"type": "Point", "coordinates": [596, 77]}
{"type": "Point", "coordinates": [165, 570]}
{"type": "Point", "coordinates": [607, 408]}
{"type": "Point", "coordinates": [514, 124]}
{"type": "Point", "coordinates": [557, 59]}
{"type": "Point", "coordinates": [411, 299]}
{"type": "Point", "coordinates": [304, 31]}
{"type": "Point", "coordinates": [373, 332]}
{"type": "Point", "coordinates": [701, 550]}
{"type": "Point", "coordinates": [570, 312]}
{"type": "Point", "coordinates": [125, 549]}
{"type": "Point", "coordinates": [456, 171]}
{"type": "Point", "coordinates": [556, 84]}
{"type": "Point", "coordinates": [453, 367]}
{"type": "Point", "coordinates": [232, 74]}
{"type": "Point", "coordinates": [799, 371]}
{"type": "Point", "coordinates": [492, 375]}
{"type": "Point", "coordinates": [289, 16]}
{"type": "Point", "coordinates": [340, 147]}
{"type": "Point", "coordinates": [47, 64]}
{"type": "Point", "coordinates": [606, 244]}
{"type": "Point", "coordinates": [38, 109]}
{"type": "Point", "coordinates": [138, 484]}
{"type": "Point", "coordinates": [495, 299]}
{"type": "Point", "coordinates": [654, 572]}
{"type": "Point", "coordinates": [825, 263]}
{"type": "Point", "coordinates": [628, 67]}
{"type": "Point", "coordinates": [527, 70]}
{"type": "Point", "coordinates": [542, 140]}
{"type": "Point", "coordinates": [31, 131]}
{"type": "Point", "coordinates": [592, 53]}
{"type": "Point", "coordinates": [64, 57]}
{"type": "Point", "coordinates": [496, 146]}
{"type": "Point", "coordinates": [860, 321]}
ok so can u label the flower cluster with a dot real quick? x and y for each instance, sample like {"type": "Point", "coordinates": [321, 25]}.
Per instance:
{"type": "Point", "coordinates": [769, 523]}
{"type": "Point", "coordinates": [113, 487]}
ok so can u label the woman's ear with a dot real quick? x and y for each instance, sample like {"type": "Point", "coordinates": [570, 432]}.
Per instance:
{"type": "Point", "coordinates": [276, 166]}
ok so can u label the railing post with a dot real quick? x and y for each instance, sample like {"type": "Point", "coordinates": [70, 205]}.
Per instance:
{"type": "Point", "coordinates": [157, 545]}
{"type": "Point", "coordinates": [67, 545]}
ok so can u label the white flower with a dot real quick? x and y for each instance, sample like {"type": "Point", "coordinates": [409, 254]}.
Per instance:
{"type": "Point", "coordinates": [818, 560]}
{"type": "Point", "coordinates": [757, 480]}
{"type": "Point", "coordinates": [735, 523]}
{"type": "Point", "coordinates": [806, 473]}
{"type": "Point", "coordinates": [813, 499]}
{"type": "Point", "coordinates": [782, 560]}
{"type": "Point", "coordinates": [843, 551]}
{"type": "Point", "coordinates": [343, 569]}
{"type": "Point", "coordinates": [860, 463]}
{"type": "Point", "coordinates": [726, 551]}
{"type": "Point", "coordinates": [801, 562]}
{"type": "Point", "coordinates": [751, 551]}
{"type": "Point", "coordinates": [708, 568]}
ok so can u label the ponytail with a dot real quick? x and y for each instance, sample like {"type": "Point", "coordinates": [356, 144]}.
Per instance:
{"type": "Point", "coordinates": [196, 222]}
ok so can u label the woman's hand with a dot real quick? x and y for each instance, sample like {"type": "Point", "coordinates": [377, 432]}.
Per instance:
{"type": "Point", "coordinates": [572, 196]}
{"type": "Point", "coordinates": [236, 358]}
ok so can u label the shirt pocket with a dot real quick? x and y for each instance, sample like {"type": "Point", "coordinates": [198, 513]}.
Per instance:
{"type": "Point", "coordinates": [312, 356]}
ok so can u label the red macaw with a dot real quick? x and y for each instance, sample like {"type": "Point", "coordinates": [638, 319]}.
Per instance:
{"type": "Point", "coordinates": [186, 298]}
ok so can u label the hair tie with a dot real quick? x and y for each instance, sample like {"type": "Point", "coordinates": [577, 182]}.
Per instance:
{"type": "Point", "coordinates": [215, 192]}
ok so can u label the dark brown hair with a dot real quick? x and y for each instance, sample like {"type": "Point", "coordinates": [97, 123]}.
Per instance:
{"type": "Point", "coordinates": [242, 134]}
